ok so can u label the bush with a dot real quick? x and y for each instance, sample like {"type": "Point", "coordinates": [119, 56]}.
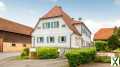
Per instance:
{"type": "Point", "coordinates": [80, 56]}
{"type": "Point", "coordinates": [25, 53]}
{"type": "Point", "coordinates": [103, 59]}
{"type": "Point", "coordinates": [47, 53]}
{"type": "Point", "coordinates": [101, 46]}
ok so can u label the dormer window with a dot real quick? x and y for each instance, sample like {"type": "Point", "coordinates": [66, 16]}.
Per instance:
{"type": "Point", "coordinates": [50, 25]}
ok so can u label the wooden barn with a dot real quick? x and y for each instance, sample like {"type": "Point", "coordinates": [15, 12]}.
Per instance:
{"type": "Point", "coordinates": [13, 36]}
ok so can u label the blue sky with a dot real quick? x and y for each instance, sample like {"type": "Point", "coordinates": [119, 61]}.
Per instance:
{"type": "Point", "coordinates": [95, 13]}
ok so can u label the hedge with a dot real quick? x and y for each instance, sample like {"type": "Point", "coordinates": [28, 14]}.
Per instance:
{"type": "Point", "coordinates": [101, 46]}
{"type": "Point", "coordinates": [47, 53]}
{"type": "Point", "coordinates": [80, 56]}
{"type": "Point", "coordinates": [103, 59]}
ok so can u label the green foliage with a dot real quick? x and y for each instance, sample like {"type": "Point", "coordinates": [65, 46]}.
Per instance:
{"type": "Point", "coordinates": [117, 50]}
{"type": "Point", "coordinates": [103, 59]}
{"type": "Point", "coordinates": [113, 42]}
{"type": "Point", "coordinates": [25, 53]}
{"type": "Point", "coordinates": [47, 53]}
{"type": "Point", "coordinates": [101, 46]}
{"type": "Point", "coordinates": [80, 56]}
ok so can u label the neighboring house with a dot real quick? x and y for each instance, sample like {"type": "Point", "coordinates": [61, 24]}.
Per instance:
{"type": "Point", "coordinates": [13, 36]}
{"type": "Point", "coordinates": [103, 34]}
{"type": "Point", "coordinates": [57, 29]}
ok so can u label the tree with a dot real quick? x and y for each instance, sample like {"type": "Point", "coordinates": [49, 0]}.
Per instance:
{"type": "Point", "coordinates": [114, 41]}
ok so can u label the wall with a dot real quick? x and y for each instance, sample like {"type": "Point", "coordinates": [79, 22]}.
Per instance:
{"type": "Point", "coordinates": [76, 41]}
{"type": "Point", "coordinates": [7, 47]}
{"type": "Point", "coordinates": [10, 38]}
{"type": "Point", "coordinates": [61, 31]}
{"type": "Point", "coordinates": [86, 35]}
{"type": "Point", "coordinates": [1, 44]}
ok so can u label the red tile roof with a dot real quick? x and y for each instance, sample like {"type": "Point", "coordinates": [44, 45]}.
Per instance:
{"type": "Point", "coordinates": [103, 34]}
{"type": "Point", "coordinates": [10, 26]}
{"type": "Point", "coordinates": [57, 12]}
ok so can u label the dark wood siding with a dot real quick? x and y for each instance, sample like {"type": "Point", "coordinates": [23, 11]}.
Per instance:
{"type": "Point", "coordinates": [15, 37]}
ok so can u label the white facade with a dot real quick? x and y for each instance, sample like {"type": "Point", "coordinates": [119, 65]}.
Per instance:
{"type": "Point", "coordinates": [61, 36]}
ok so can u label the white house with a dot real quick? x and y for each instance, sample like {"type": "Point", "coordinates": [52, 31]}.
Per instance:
{"type": "Point", "coordinates": [57, 29]}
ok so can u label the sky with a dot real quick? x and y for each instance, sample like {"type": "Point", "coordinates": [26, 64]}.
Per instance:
{"type": "Point", "coordinates": [95, 14]}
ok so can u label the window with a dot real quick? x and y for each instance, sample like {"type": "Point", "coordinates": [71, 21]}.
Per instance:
{"type": "Point", "coordinates": [48, 24]}
{"type": "Point", "coordinates": [24, 45]}
{"type": "Point", "coordinates": [40, 39]}
{"type": "Point", "coordinates": [13, 45]}
{"type": "Point", "coordinates": [62, 39]}
{"type": "Point", "coordinates": [50, 39]}
{"type": "Point", "coordinates": [63, 25]}
{"type": "Point", "coordinates": [43, 25]}
{"type": "Point", "coordinates": [57, 24]}
{"type": "Point", "coordinates": [51, 25]}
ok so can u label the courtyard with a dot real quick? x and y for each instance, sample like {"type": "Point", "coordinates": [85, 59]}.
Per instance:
{"type": "Point", "coordinates": [12, 62]}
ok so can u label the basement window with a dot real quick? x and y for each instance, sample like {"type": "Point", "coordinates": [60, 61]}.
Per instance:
{"type": "Point", "coordinates": [13, 45]}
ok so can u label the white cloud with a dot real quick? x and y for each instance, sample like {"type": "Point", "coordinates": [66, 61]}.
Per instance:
{"type": "Point", "coordinates": [2, 6]}
{"type": "Point", "coordinates": [117, 2]}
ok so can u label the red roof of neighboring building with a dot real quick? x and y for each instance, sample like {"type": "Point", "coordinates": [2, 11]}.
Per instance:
{"type": "Point", "coordinates": [58, 12]}
{"type": "Point", "coordinates": [10, 26]}
{"type": "Point", "coordinates": [103, 34]}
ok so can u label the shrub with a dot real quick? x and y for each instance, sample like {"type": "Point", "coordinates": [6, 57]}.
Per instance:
{"type": "Point", "coordinates": [103, 59]}
{"type": "Point", "coordinates": [47, 53]}
{"type": "Point", "coordinates": [25, 53]}
{"type": "Point", "coordinates": [101, 46]}
{"type": "Point", "coordinates": [80, 56]}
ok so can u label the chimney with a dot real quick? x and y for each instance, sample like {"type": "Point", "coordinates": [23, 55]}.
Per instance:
{"type": "Point", "coordinates": [80, 18]}
{"type": "Point", "coordinates": [72, 18]}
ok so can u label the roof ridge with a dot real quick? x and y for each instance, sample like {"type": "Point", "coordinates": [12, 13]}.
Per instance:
{"type": "Point", "coordinates": [11, 26]}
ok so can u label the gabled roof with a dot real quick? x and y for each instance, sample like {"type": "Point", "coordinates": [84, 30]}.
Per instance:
{"type": "Point", "coordinates": [10, 26]}
{"type": "Point", "coordinates": [58, 12]}
{"type": "Point", "coordinates": [103, 34]}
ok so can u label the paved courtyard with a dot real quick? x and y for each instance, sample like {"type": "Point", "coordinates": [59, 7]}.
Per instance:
{"type": "Point", "coordinates": [7, 62]}
{"type": "Point", "coordinates": [46, 63]}
{"type": "Point", "coordinates": [96, 65]}
{"type": "Point", "coordinates": [35, 63]}
{"type": "Point", "coordinates": [8, 54]}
